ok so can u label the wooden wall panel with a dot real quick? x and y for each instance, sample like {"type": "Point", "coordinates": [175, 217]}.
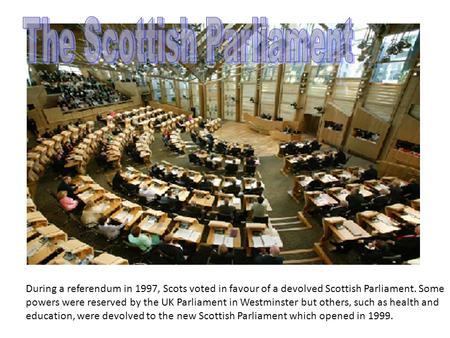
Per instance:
{"type": "Point", "coordinates": [366, 121]}
{"type": "Point", "coordinates": [335, 114]}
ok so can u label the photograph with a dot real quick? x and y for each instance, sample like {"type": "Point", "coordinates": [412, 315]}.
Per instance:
{"type": "Point", "coordinates": [183, 142]}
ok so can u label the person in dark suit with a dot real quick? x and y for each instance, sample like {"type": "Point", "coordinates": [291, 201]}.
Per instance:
{"type": "Point", "coordinates": [66, 185]}
{"type": "Point", "coordinates": [340, 158]}
{"type": "Point", "coordinates": [408, 245]}
{"type": "Point", "coordinates": [258, 190]}
{"type": "Point", "coordinates": [369, 174]}
{"type": "Point", "coordinates": [171, 250]}
{"type": "Point", "coordinates": [396, 193]}
{"type": "Point", "coordinates": [193, 210]}
{"type": "Point", "coordinates": [226, 209]}
{"type": "Point", "coordinates": [168, 202]}
{"type": "Point", "coordinates": [355, 200]}
{"type": "Point", "coordinates": [221, 256]}
{"type": "Point", "coordinates": [186, 181]}
{"type": "Point", "coordinates": [315, 184]}
{"type": "Point", "coordinates": [206, 185]}
{"type": "Point", "coordinates": [272, 258]}
{"type": "Point", "coordinates": [411, 190]}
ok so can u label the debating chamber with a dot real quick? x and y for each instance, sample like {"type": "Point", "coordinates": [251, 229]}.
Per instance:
{"type": "Point", "coordinates": [227, 163]}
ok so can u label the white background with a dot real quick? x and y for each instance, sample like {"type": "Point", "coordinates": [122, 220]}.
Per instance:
{"type": "Point", "coordinates": [434, 181]}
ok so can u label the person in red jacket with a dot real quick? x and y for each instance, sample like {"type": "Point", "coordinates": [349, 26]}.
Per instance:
{"type": "Point", "coordinates": [69, 204]}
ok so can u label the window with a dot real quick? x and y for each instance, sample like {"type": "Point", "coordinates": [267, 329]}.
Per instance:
{"type": "Point", "coordinates": [396, 51]}
{"type": "Point", "coordinates": [69, 69]}
{"type": "Point", "coordinates": [156, 89]}
{"type": "Point", "coordinates": [170, 91]}
{"type": "Point", "coordinates": [362, 38]}
{"type": "Point", "coordinates": [293, 72]}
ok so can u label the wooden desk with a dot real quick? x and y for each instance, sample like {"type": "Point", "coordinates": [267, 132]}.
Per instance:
{"type": "Point", "coordinates": [160, 187]}
{"type": "Point", "coordinates": [108, 259]}
{"type": "Point", "coordinates": [202, 198]}
{"type": "Point", "coordinates": [343, 175]}
{"type": "Point", "coordinates": [251, 183]}
{"type": "Point", "coordinates": [93, 193]}
{"type": "Point", "coordinates": [108, 204]}
{"type": "Point", "coordinates": [380, 223]}
{"type": "Point", "coordinates": [155, 222]}
{"type": "Point", "coordinates": [392, 179]}
{"type": "Point", "coordinates": [367, 194]}
{"type": "Point", "coordinates": [215, 180]}
{"type": "Point", "coordinates": [187, 229]}
{"type": "Point", "coordinates": [261, 236]}
{"type": "Point", "coordinates": [342, 229]}
{"type": "Point", "coordinates": [376, 185]}
{"type": "Point", "coordinates": [40, 248]}
{"type": "Point", "coordinates": [403, 213]}
{"type": "Point", "coordinates": [300, 184]}
{"type": "Point", "coordinates": [30, 205]}
{"type": "Point", "coordinates": [289, 161]}
{"type": "Point", "coordinates": [219, 233]}
{"type": "Point", "coordinates": [181, 192]}
{"type": "Point", "coordinates": [325, 178]}
{"type": "Point", "coordinates": [195, 176]}
{"type": "Point", "coordinates": [234, 201]}
{"type": "Point", "coordinates": [36, 219]}
{"type": "Point", "coordinates": [228, 181]}
{"type": "Point", "coordinates": [318, 199]}
{"type": "Point", "coordinates": [128, 214]}
{"type": "Point", "coordinates": [73, 253]}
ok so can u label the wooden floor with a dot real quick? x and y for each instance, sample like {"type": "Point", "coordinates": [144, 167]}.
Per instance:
{"type": "Point", "coordinates": [239, 132]}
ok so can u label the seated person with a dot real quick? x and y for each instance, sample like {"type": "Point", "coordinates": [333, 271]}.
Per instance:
{"type": "Point", "coordinates": [375, 250]}
{"type": "Point", "coordinates": [68, 204]}
{"type": "Point", "coordinates": [340, 158]}
{"type": "Point", "coordinates": [408, 246]}
{"type": "Point", "coordinates": [231, 186]}
{"type": "Point", "coordinates": [315, 184]}
{"type": "Point", "coordinates": [369, 174]}
{"type": "Point", "coordinates": [118, 181]}
{"type": "Point", "coordinates": [259, 211]}
{"type": "Point", "coordinates": [193, 210]}
{"type": "Point", "coordinates": [168, 201]}
{"type": "Point", "coordinates": [355, 200]}
{"type": "Point", "coordinates": [171, 250]}
{"type": "Point", "coordinates": [206, 185]}
{"type": "Point", "coordinates": [313, 163]}
{"type": "Point", "coordinates": [258, 190]}
{"type": "Point", "coordinates": [148, 193]}
{"type": "Point", "coordinates": [328, 160]}
{"type": "Point", "coordinates": [221, 256]}
{"type": "Point", "coordinates": [142, 241]}
{"type": "Point", "coordinates": [90, 216]}
{"type": "Point", "coordinates": [109, 229]}
{"type": "Point", "coordinates": [272, 258]}
{"type": "Point", "coordinates": [231, 168]}
{"type": "Point", "coordinates": [250, 161]}
{"type": "Point", "coordinates": [186, 181]}
{"type": "Point", "coordinates": [66, 185]}
{"type": "Point", "coordinates": [226, 209]}
{"type": "Point", "coordinates": [411, 190]}
{"type": "Point", "coordinates": [396, 193]}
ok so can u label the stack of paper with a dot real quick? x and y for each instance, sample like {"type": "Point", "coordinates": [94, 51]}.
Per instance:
{"type": "Point", "coordinates": [257, 242]}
